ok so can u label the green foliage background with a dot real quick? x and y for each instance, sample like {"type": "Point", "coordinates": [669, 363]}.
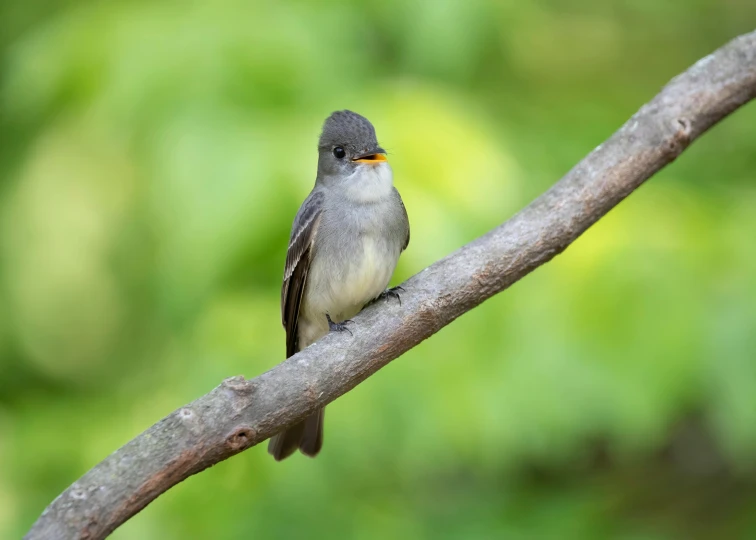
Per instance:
{"type": "Point", "coordinates": [152, 157]}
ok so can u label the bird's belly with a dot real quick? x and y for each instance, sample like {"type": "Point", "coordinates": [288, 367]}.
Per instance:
{"type": "Point", "coordinates": [365, 277]}
{"type": "Point", "coordinates": [345, 284]}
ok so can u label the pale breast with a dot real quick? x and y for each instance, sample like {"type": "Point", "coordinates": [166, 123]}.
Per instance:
{"type": "Point", "coordinates": [367, 275]}
{"type": "Point", "coordinates": [340, 284]}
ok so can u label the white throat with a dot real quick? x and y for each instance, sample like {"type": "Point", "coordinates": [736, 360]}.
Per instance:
{"type": "Point", "coordinates": [370, 183]}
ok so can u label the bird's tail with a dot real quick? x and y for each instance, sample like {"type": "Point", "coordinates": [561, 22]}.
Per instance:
{"type": "Point", "coordinates": [307, 436]}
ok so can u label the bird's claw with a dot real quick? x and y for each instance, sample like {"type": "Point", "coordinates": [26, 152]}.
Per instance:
{"type": "Point", "coordinates": [339, 327]}
{"type": "Point", "coordinates": [392, 293]}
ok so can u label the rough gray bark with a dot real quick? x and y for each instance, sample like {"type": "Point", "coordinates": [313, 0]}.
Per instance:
{"type": "Point", "coordinates": [241, 413]}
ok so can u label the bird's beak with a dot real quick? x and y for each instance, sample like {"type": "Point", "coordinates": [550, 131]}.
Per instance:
{"type": "Point", "coordinates": [373, 159]}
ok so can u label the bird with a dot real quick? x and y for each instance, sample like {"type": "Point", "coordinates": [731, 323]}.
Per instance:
{"type": "Point", "coordinates": [345, 242]}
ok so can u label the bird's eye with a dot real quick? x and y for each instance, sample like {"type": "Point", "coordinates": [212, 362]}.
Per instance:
{"type": "Point", "coordinates": [339, 152]}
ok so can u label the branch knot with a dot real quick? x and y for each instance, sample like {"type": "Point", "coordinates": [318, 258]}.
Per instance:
{"type": "Point", "coordinates": [239, 385]}
{"type": "Point", "coordinates": [241, 438]}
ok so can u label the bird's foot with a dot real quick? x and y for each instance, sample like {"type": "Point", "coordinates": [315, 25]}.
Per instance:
{"type": "Point", "coordinates": [338, 327]}
{"type": "Point", "coordinates": [392, 293]}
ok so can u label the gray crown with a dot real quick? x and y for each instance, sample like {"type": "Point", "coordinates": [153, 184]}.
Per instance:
{"type": "Point", "coordinates": [350, 130]}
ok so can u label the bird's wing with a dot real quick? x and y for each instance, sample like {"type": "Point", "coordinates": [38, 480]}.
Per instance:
{"type": "Point", "coordinates": [298, 259]}
{"type": "Point", "coordinates": [406, 219]}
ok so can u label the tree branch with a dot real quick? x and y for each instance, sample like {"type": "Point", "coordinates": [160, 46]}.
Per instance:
{"type": "Point", "coordinates": [241, 413]}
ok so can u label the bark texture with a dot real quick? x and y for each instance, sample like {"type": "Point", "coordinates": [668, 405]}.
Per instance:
{"type": "Point", "coordinates": [241, 413]}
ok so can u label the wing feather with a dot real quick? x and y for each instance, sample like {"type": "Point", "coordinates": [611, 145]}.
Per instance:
{"type": "Point", "coordinates": [406, 219]}
{"type": "Point", "coordinates": [298, 258]}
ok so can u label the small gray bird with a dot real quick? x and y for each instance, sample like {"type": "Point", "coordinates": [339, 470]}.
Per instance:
{"type": "Point", "coordinates": [344, 246]}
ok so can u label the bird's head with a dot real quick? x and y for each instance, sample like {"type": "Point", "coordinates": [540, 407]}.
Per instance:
{"type": "Point", "coordinates": [348, 143]}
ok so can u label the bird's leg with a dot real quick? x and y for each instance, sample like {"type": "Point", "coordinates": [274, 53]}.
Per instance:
{"type": "Point", "coordinates": [338, 327]}
{"type": "Point", "coordinates": [391, 293]}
